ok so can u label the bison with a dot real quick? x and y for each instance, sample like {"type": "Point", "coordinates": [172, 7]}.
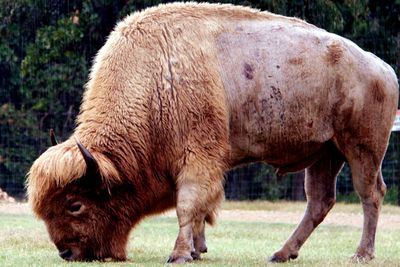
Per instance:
{"type": "Point", "coordinates": [179, 94]}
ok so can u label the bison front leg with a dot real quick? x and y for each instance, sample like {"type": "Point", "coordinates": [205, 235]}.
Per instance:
{"type": "Point", "coordinates": [185, 209]}
{"type": "Point", "coordinates": [320, 190]}
{"type": "Point", "coordinates": [199, 238]}
{"type": "Point", "coordinates": [199, 193]}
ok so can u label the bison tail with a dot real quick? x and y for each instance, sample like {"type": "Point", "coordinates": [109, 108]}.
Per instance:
{"type": "Point", "coordinates": [211, 218]}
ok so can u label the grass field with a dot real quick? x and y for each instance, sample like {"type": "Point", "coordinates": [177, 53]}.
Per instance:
{"type": "Point", "coordinates": [24, 240]}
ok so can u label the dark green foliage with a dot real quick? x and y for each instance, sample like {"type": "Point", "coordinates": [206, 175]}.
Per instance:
{"type": "Point", "coordinates": [21, 139]}
{"type": "Point", "coordinates": [255, 181]}
{"type": "Point", "coordinates": [47, 47]}
{"type": "Point", "coordinates": [53, 74]}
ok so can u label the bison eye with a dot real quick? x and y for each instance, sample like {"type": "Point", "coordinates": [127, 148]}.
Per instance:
{"type": "Point", "coordinates": [75, 208]}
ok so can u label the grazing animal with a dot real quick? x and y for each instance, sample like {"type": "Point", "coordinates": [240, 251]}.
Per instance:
{"type": "Point", "coordinates": [180, 93]}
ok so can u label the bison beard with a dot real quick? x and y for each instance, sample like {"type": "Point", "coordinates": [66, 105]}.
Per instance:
{"type": "Point", "coordinates": [181, 93]}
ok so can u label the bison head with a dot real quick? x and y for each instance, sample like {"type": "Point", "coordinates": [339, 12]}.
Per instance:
{"type": "Point", "coordinates": [87, 219]}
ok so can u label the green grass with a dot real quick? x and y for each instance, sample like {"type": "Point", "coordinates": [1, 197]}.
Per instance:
{"type": "Point", "coordinates": [24, 242]}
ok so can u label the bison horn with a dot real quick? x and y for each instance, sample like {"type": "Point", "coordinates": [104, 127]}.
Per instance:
{"type": "Point", "coordinates": [53, 138]}
{"type": "Point", "coordinates": [91, 163]}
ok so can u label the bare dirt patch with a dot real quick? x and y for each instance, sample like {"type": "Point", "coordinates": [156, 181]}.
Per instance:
{"type": "Point", "coordinates": [386, 221]}
{"type": "Point", "coordinates": [14, 208]}
{"type": "Point", "coordinates": [354, 219]}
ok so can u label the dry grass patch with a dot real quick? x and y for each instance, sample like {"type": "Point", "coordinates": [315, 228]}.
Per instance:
{"type": "Point", "coordinates": [298, 206]}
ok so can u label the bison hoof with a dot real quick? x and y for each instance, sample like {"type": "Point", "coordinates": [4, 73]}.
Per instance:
{"type": "Point", "coordinates": [179, 260]}
{"type": "Point", "coordinates": [203, 249]}
{"type": "Point", "coordinates": [196, 255]}
{"type": "Point", "coordinates": [358, 258]}
{"type": "Point", "coordinates": [276, 259]}
{"type": "Point", "coordinates": [280, 257]}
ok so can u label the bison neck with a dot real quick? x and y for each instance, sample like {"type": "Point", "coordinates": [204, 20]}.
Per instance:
{"type": "Point", "coordinates": [138, 201]}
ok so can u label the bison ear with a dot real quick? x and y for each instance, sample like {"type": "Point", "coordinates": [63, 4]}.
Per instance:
{"type": "Point", "coordinates": [53, 138]}
{"type": "Point", "coordinates": [92, 168]}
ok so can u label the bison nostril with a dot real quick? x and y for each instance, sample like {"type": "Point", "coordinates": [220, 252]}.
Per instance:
{"type": "Point", "coordinates": [66, 254]}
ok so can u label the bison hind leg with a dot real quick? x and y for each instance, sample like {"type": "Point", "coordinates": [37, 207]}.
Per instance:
{"type": "Point", "coordinates": [371, 189]}
{"type": "Point", "coordinates": [320, 190]}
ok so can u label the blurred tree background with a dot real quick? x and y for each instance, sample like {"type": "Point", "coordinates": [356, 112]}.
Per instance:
{"type": "Point", "coordinates": [47, 47]}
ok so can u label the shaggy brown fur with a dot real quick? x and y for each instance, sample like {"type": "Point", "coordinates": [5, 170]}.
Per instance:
{"type": "Point", "coordinates": [182, 92]}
